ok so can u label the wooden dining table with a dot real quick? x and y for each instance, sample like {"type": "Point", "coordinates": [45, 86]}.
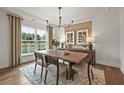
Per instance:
{"type": "Point", "coordinates": [68, 56]}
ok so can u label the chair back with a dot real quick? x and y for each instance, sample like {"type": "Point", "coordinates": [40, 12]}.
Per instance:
{"type": "Point", "coordinates": [51, 60]}
{"type": "Point", "coordinates": [38, 55]}
{"type": "Point", "coordinates": [42, 49]}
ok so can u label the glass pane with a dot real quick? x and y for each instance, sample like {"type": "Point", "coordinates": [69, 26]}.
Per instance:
{"type": "Point", "coordinates": [41, 34]}
{"type": "Point", "coordinates": [28, 40]}
{"type": "Point", "coordinates": [31, 46]}
{"type": "Point", "coordinates": [24, 47]}
{"type": "Point", "coordinates": [28, 33]}
{"type": "Point", "coordinates": [41, 45]}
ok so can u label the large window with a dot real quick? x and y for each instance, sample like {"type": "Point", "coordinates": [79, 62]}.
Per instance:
{"type": "Point", "coordinates": [41, 39]}
{"type": "Point", "coordinates": [32, 39]}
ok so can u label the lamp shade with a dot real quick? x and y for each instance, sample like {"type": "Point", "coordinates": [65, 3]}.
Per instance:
{"type": "Point", "coordinates": [91, 39]}
{"type": "Point", "coordinates": [62, 40]}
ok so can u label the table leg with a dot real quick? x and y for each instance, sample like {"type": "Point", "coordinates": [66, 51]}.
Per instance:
{"type": "Point", "coordinates": [70, 71]}
{"type": "Point", "coordinates": [88, 70]}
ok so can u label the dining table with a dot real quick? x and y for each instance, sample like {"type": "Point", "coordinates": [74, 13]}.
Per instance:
{"type": "Point", "coordinates": [69, 56]}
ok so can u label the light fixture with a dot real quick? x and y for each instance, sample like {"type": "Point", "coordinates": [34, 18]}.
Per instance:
{"type": "Point", "coordinates": [60, 16]}
{"type": "Point", "coordinates": [72, 21]}
{"type": "Point", "coordinates": [60, 20]}
{"type": "Point", "coordinates": [47, 21]}
{"type": "Point", "coordinates": [90, 40]}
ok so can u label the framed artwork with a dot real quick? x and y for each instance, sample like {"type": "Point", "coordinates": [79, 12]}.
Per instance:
{"type": "Point", "coordinates": [70, 37]}
{"type": "Point", "coordinates": [81, 36]}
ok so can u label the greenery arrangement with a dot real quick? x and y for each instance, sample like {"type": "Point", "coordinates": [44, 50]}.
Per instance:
{"type": "Point", "coordinates": [55, 43]}
{"type": "Point", "coordinates": [84, 45]}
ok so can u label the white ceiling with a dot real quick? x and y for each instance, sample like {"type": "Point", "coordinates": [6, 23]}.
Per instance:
{"type": "Point", "coordinates": [40, 14]}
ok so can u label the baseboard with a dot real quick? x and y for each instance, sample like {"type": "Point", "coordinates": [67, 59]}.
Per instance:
{"type": "Point", "coordinates": [28, 62]}
{"type": "Point", "coordinates": [106, 65]}
{"type": "Point", "coordinates": [122, 70]}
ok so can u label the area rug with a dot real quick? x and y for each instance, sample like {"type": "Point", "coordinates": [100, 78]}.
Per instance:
{"type": "Point", "coordinates": [79, 78]}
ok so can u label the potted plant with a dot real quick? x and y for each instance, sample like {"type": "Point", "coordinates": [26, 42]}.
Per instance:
{"type": "Point", "coordinates": [55, 43]}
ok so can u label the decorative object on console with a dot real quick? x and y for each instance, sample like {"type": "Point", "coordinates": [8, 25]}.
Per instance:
{"type": "Point", "coordinates": [70, 37]}
{"type": "Point", "coordinates": [90, 40]}
{"type": "Point", "coordinates": [62, 42]}
{"type": "Point", "coordinates": [81, 37]}
{"type": "Point", "coordinates": [66, 53]}
{"type": "Point", "coordinates": [69, 46]}
{"type": "Point", "coordinates": [55, 43]}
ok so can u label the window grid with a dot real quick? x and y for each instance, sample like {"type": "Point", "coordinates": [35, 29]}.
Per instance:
{"type": "Point", "coordinates": [29, 40]}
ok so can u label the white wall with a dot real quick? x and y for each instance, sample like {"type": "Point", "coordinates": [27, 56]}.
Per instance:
{"type": "Point", "coordinates": [106, 29]}
{"type": "Point", "coordinates": [107, 38]}
{"type": "Point", "coordinates": [122, 39]}
{"type": "Point", "coordinates": [4, 40]}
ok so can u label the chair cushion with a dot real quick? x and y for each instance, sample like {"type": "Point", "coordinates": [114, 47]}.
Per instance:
{"type": "Point", "coordinates": [53, 68]}
{"type": "Point", "coordinates": [39, 62]}
{"type": "Point", "coordinates": [81, 67]}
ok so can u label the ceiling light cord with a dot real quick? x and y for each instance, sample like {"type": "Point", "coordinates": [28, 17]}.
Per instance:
{"type": "Point", "coordinates": [47, 22]}
{"type": "Point", "coordinates": [60, 17]}
{"type": "Point", "coordinates": [72, 22]}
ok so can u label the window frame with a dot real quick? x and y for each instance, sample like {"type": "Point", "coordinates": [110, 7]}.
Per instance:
{"type": "Point", "coordinates": [35, 40]}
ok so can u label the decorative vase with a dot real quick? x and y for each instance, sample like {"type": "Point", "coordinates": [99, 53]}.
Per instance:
{"type": "Point", "coordinates": [55, 48]}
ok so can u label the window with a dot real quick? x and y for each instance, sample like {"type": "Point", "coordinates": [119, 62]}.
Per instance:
{"type": "Point", "coordinates": [32, 39]}
{"type": "Point", "coordinates": [41, 39]}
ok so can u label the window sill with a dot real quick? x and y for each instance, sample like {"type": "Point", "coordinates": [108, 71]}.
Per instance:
{"type": "Point", "coordinates": [27, 54]}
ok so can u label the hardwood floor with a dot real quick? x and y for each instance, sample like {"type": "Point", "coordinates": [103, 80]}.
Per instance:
{"type": "Point", "coordinates": [113, 76]}
{"type": "Point", "coordinates": [12, 76]}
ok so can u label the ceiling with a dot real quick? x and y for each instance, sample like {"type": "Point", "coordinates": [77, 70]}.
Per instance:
{"type": "Point", "coordinates": [41, 14]}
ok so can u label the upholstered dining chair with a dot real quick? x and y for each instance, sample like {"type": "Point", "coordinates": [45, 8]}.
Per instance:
{"type": "Point", "coordinates": [39, 60]}
{"type": "Point", "coordinates": [85, 66]}
{"type": "Point", "coordinates": [54, 67]}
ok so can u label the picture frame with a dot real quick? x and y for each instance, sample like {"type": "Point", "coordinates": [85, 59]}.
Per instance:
{"type": "Point", "coordinates": [70, 37]}
{"type": "Point", "coordinates": [81, 36]}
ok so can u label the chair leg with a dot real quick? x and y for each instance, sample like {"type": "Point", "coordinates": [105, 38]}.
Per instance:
{"type": "Point", "coordinates": [72, 78]}
{"type": "Point", "coordinates": [92, 74]}
{"type": "Point", "coordinates": [45, 77]}
{"type": "Point", "coordinates": [88, 70]}
{"type": "Point", "coordinates": [57, 77]}
{"type": "Point", "coordinates": [35, 68]}
{"type": "Point", "coordinates": [66, 73]}
{"type": "Point", "coordinates": [63, 62]}
{"type": "Point", "coordinates": [77, 71]}
{"type": "Point", "coordinates": [41, 72]}
{"type": "Point", "coordinates": [73, 72]}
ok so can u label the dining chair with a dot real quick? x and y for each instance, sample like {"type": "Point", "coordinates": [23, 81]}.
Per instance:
{"type": "Point", "coordinates": [55, 67]}
{"type": "Point", "coordinates": [86, 70]}
{"type": "Point", "coordinates": [86, 64]}
{"type": "Point", "coordinates": [39, 60]}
